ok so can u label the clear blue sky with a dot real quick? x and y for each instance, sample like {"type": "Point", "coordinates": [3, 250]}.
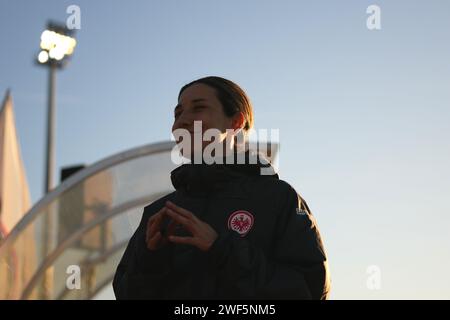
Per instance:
{"type": "Point", "coordinates": [364, 116]}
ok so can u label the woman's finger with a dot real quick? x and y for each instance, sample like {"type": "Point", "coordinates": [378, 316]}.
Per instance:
{"type": "Point", "coordinates": [154, 217]}
{"type": "Point", "coordinates": [185, 213]}
{"type": "Point", "coordinates": [182, 240]}
{"type": "Point", "coordinates": [154, 241]}
{"type": "Point", "coordinates": [179, 218]}
{"type": "Point", "coordinates": [157, 221]}
{"type": "Point", "coordinates": [171, 228]}
{"type": "Point", "coordinates": [147, 231]}
{"type": "Point", "coordinates": [157, 214]}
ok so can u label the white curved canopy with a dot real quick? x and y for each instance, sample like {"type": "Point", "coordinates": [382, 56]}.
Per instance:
{"type": "Point", "coordinates": [83, 226]}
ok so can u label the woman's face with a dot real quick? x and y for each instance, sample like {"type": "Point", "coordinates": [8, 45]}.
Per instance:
{"type": "Point", "coordinates": [199, 102]}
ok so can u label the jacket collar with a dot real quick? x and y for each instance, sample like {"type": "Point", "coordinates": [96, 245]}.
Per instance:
{"type": "Point", "coordinates": [205, 178]}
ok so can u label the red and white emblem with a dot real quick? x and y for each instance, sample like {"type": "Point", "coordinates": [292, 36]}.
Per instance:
{"type": "Point", "coordinates": [241, 221]}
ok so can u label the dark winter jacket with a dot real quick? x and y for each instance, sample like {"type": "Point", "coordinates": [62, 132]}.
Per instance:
{"type": "Point", "coordinates": [269, 246]}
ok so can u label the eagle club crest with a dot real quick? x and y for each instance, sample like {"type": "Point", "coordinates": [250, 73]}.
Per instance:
{"type": "Point", "coordinates": [241, 221]}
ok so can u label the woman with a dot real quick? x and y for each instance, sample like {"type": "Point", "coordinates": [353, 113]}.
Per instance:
{"type": "Point", "coordinates": [228, 231]}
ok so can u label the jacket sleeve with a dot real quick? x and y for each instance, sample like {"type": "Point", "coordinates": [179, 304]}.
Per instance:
{"type": "Point", "coordinates": [296, 269]}
{"type": "Point", "coordinates": [141, 273]}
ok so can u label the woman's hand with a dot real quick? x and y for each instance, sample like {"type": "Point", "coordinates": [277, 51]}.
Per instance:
{"type": "Point", "coordinates": [153, 237]}
{"type": "Point", "coordinates": [203, 235]}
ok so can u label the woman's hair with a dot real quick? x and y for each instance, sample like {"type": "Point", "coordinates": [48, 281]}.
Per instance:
{"type": "Point", "coordinates": [230, 95]}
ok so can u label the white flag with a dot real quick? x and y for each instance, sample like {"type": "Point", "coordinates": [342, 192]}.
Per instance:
{"type": "Point", "coordinates": [14, 193]}
{"type": "Point", "coordinates": [14, 204]}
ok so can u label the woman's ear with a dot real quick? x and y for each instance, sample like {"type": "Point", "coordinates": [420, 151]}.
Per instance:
{"type": "Point", "coordinates": [238, 121]}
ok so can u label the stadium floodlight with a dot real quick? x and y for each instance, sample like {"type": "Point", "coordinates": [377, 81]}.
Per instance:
{"type": "Point", "coordinates": [56, 44]}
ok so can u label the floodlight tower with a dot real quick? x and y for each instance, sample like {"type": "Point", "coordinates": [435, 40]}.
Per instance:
{"type": "Point", "coordinates": [57, 45]}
